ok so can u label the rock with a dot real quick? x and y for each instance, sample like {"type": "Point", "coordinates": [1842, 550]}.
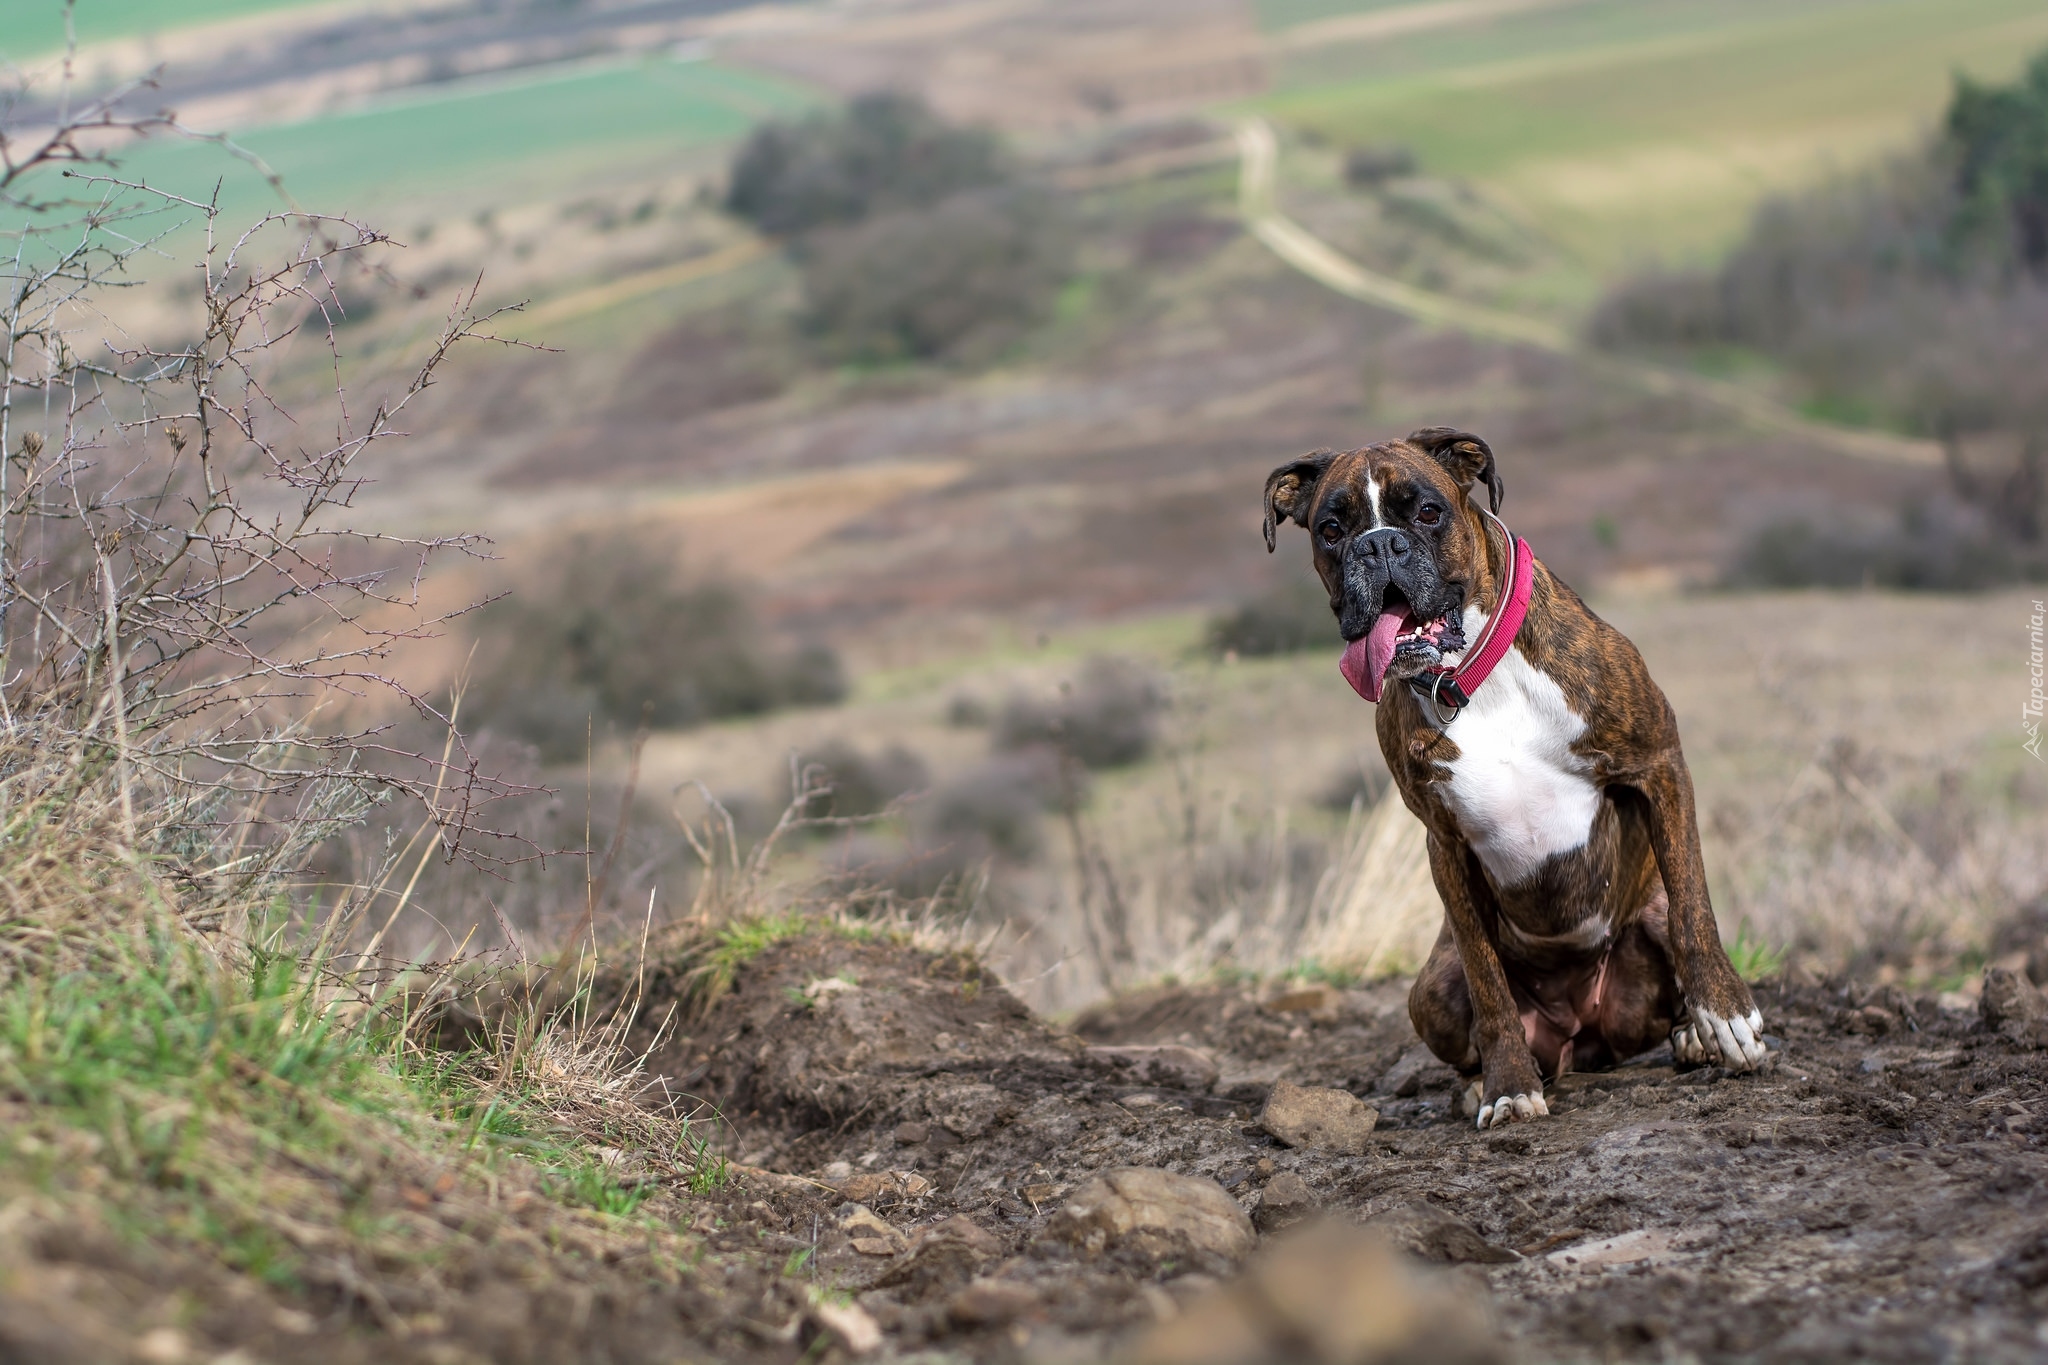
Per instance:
{"type": "Point", "coordinates": [991, 1303]}
{"type": "Point", "coordinates": [911, 1134]}
{"type": "Point", "coordinates": [873, 1187]}
{"type": "Point", "coordinates": [960, 1230]}
{"type": "Point", "coordinates": [860, 1221]}
{"type": "Point", "coordinates": [1429, 1234]}
{"type": "Point", "coordinates": [1404, 1079]}
{"type": "Point", "coordinates": [943, 1257]}
{"type": "Point", "coordinates": [1320, 1003]}
{"type": "Point", "coordinates": [1316, 1116]}
{"type": "Point", "coordinates": [2013, 1005]}
{"type": "Point", "coordinates": [968, 1111]}
{"type": "Point", "coordinates": [1182, 1068]}
{"type": "Point", "coordinates": [1156, 1214]}
{"type": "Point", "coordinates": [1328, 1294]}
{"type": "Point", "coordinates": [849, 1326]}
{"type": "Point", "coordinates": [1285, 1201]}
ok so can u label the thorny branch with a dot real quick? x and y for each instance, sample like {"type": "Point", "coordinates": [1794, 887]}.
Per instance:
{"type": "Point", "coordinates": [182, 593]}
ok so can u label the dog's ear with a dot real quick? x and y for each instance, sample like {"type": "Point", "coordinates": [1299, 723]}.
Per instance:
{"type": "Point", "coordinates": [1468, 458]}
{"type": "Point", "coordinates": [1291, 488]}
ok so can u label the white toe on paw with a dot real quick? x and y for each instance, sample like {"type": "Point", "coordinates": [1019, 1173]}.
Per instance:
{"type": "Point", "coordinates": [1736, 1043]}
{"type": "Point", "coordinates": [1509, 1108]}
{"type": "Point", "coordinates": [1685, 1044]}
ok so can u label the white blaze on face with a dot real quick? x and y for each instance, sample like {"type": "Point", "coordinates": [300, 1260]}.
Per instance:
{"type": "Point", "coordinates": [1520, 794]}
{"type": "Point", "coordinates": [1372, 496]}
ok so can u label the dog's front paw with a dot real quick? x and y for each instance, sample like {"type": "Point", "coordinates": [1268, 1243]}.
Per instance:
{"type": "Point", "coordinates": [1513, 1108]}
{"type": "Point", "coordinates": [1736, 1043]}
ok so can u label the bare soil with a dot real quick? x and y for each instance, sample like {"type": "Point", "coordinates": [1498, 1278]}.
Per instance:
{"type": "Point", "coordinates": [1875, 1193]}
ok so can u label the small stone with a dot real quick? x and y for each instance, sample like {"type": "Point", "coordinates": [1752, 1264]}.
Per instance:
{"type": "Point", "coordinates": [963, 1230]}
{"type": "Point", "coordinates": [1321, 1003]}
{"type": "Point", "coordinates": [1404, 1078]}
{"type": "Point", "coordinates": [991, 1303]}
{"type": "Point", "coordinates": [1182, 1068]}
{"type": "Point", "coordinates": [1155, 1213]}
{"type": "Point", "coordinates": [1429, 1234]}
{"type": "Point", "coordinates": [1263, 1168]}
{"type": "Point", "coordinates": [1328, 1294]}
{"type": "Point", "coordinates": [1317, 1116]}
{"type": "Point", "coordinates": [911, 1134]}
{"type": "Point", "coordinates": [875, 1246]}
{"type": "Point", "coordinates": [2012, 1005]}
{"type": "Point", "coordinates": [163, 1344]}
{"type": "Point", "coordinates": [1285, 1201]}
{"type": "Point", "coordinates": [860, 1218]}
{"type": "Point", "coordinates": [870, 1187]}
{"type": "Point", "coordinates": [849, 1325]}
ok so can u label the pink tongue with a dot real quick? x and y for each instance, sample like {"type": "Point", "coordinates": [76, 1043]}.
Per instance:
{"type": "Point", "coordinates": [1365, 660]}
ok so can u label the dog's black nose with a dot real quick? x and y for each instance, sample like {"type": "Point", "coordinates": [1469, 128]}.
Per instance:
{"type": "Point", "coordinates": [1385, 545]}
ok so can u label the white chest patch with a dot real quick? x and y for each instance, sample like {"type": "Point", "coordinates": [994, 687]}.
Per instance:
{"type": "Point", "coordinates": [1520, 794]}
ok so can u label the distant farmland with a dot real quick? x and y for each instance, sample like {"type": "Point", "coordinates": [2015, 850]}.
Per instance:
{"type": "Point", "coordinates": [492, 142]}
{"type": "Point", "coordinates": [1632, 128]}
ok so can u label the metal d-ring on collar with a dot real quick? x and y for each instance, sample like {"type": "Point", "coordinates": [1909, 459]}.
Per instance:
{"type": "Point", "coordinates": [1430, 695]}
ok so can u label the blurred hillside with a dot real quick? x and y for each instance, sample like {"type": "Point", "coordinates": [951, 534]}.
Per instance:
{"type": "Point", "coordinates": [937, 438]}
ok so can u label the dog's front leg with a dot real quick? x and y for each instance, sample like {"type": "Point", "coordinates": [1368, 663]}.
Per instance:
{"type": "Point", "coordinates": [1511, 1085]}
{"type": "Point", "coordinates": [1725, 1024]}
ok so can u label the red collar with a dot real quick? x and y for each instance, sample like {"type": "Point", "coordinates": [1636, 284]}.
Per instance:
{"type": "Point", "coordinates": [1447, 691]}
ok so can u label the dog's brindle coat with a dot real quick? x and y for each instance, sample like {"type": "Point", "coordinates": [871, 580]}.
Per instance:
{"type": "Point", "coordinates": [1562, 836]}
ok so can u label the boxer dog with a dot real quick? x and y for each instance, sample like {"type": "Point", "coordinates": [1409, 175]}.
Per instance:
{"type": "Point", "coordinates": [1526, 735]}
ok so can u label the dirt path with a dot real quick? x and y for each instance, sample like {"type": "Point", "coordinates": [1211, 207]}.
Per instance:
{"type": "Point", "coordinates": [1258, 203]}
{"type": "Point", "coordinates": [1877, 1193]}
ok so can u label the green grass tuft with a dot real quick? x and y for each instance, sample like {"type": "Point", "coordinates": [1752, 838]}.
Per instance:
{"type": "Point", "coordinates": [1754, 959]}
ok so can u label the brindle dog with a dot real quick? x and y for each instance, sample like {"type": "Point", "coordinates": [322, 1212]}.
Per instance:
{"type": "Point", "coordinates": [1562, 835]}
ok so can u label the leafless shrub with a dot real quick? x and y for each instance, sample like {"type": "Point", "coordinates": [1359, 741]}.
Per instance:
{"type": "Point", "coordinates": [184, 603]}
{"type": "Point", "coordinates": [886, 152]}
{"type": "Point", "coordinates": [605, 632]}
{"type": "Point", "coordinates": [1294, 616]}
{"type": "Point", "coordinates": [861, 783]}
{"type": "Point", "coordinates": [1365, 167]}
{"type": "Point", "coordinates": [962, 279]}
{"type": "Point", "coordinates": [1106, 718]}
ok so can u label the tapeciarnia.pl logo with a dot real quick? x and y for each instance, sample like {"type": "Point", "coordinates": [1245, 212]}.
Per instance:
{"type": "Point", "coordinates": [2030, 714]}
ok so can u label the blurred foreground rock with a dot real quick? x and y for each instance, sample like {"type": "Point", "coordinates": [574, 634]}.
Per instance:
{"type": "Point", "coordinates": [1155, 1215]}
{"type": "Point", "coordinates": [1330, 1294]}
{"type": "Point", "coordinates": [2013, 1006]}
{"type": "Point", "coordinates": [1316, 1116]}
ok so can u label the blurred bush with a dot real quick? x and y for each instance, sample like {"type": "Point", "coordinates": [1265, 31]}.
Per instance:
{"type": "Point", "coordinates": [863, 784]}
{"type": "Point", "coordinates": [962, 279]}
{"type": "Point", "coordinates": [1106, 718]}
{"type": "Point", "coordinates": [1936, 547]}
{"type": "Point", "coordinates": [916, 239]}
{"type": "Point", "coordinates": [883, 152]}
{"type": "Point", "coordinates": [1293, 617]}
{"type": "Point", "coordinates": [610, 635]}
{"type": "Point", "coordinates": [1914, 295]}
{"type": "Point", "coordinates": [1365, 167]}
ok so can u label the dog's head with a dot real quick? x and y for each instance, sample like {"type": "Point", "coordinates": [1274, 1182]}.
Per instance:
{"type": "Point", "coordinates": [1398, 543]}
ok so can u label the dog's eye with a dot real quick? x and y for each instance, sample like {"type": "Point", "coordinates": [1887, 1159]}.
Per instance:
{"type": "Point", "coordinates": [1331, 531]}
{"type": "Point", "coordinates": [1430, 514]}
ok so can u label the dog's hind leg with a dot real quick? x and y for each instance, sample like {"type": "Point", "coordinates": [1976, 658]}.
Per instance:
{"type": "Point", "coordinates": [1440, 1007]}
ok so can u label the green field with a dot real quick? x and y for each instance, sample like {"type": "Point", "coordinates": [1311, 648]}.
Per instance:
{"type": "Point", "coordinates": [1627, 129]}
{"type": "Point", "coordinates": [488, 143]}
{"type": "Point", "coordinates": [30, 28]}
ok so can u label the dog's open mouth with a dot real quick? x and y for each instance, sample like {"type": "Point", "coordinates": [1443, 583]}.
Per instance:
{"type": "Point", "coordinates": [1395, 633]}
